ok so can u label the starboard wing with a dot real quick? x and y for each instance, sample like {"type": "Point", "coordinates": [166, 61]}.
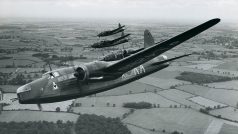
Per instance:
{"type": "Point", "coordinates": [149, 53]}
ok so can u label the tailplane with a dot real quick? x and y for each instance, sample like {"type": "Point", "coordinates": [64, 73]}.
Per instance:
{"type": "Point", "coordinates": [148, 39]}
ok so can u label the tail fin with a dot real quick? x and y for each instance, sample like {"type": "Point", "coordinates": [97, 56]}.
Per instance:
{"type": "Point", "coordinates": [148, 39]}
{"type": "Point", "coordinates": [119, 25]}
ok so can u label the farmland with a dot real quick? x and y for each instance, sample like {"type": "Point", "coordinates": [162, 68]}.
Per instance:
{"type": "Point", "coordinates": [171, 120]}
{"type": "Point", "coordinates": [27, 49]}
{"type": "Point", "coordinates": [24, 116]}
{"type": "Point", "coordinates": [224, 96]}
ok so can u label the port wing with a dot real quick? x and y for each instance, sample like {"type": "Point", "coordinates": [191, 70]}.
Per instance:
{"type": "Point", "coordinates": [151, 52]}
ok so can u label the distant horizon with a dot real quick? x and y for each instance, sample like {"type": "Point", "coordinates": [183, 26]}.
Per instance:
{"type": "Point", "coordinates": [157, 10]}
{"type": "Point", "coordinates": [159, 19]}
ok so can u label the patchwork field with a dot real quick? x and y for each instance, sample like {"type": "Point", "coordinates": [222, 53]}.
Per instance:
{"type": "Point", "coordinates": [157, 88]}
{"type": "Point", "coordinates": [161, 83]}
{"type": "Point", "coordinates": [24, 116]}
{"type": "Point", "coordinates": [171, 120]}
{"type": "Point", "coordinates": [205, 102]}
{"type": "Point", "coordinates": [119, 100]}
{"type": "Point", "coordinates": [9, 88]}
{"type": "Point", "coordinates": [137, 130]}
{"type": "Point", "coordinates": [228, 129]}
{"type": "Point", "coordinates": [226, 85]}
{"type": "Point", "coordinates": [202, 66]}
{"type": "Point", "coordinates": [112, 112]}
{"type": "Point", "coordinates": [233, 66]}
{"type": "Point", "coordinates": [179, 96]}
{"type": "Point", "coordinates": [46, 107]}
{"type": "Point", "coordinates": [228, 97]}
{"type": "Point", "coordinates": [229, 113]}
{"type": "Point", "coordinates": [165, 74]}
{"type": "Point", "coordinates": [131, 88]}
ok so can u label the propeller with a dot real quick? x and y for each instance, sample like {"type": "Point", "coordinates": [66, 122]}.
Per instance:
{"type": "Point", "coordinates": [39, 107]}
{"type": "Point", "coordinates": [71, 64]}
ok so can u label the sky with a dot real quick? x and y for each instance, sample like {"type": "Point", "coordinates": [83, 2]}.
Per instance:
{"type": "Point", "coordinates": [121, 9]}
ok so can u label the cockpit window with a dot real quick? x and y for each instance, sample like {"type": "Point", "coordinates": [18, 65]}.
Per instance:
{"type": "Point", "coordinates": [56, 74]}
{"type": "Point", "coordinates": [51, 75]}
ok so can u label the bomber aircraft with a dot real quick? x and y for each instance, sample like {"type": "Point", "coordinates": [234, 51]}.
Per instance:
{"type": "Point", "coordinates": [148, 41]}
{"type": "Point", "coordinates": [99, 76]}
{"type": "Point", "coordinates": [111, 32]}
{"type": "Point", "coordinates": [109, 43]}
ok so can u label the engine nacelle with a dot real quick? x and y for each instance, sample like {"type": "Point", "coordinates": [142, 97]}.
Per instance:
{"type": "Point", "coordinates": [90, 70]}
{"type": "Point", "coordinates": [81, 73]}
{"type": "Point", "coordinates": [159, 59]}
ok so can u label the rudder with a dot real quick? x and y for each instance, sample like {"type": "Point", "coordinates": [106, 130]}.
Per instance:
{"type": "Point", "coordinates": [148, 39]}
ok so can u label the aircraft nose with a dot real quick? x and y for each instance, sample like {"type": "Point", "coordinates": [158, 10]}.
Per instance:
{"type": "Point", "coordinates": [20, 89]}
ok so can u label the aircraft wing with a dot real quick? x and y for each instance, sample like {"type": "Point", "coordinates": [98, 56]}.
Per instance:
{"type": "Point", "coordinates": [149, 53]}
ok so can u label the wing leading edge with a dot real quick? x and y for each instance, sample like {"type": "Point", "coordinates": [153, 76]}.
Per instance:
{"type": "Point", "coordinates": [151, 52]}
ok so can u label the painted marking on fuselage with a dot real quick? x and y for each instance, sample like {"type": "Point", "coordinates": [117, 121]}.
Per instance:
{"type": "Point", "coordinates": [134, 72]}
{"type": "Point", "coordinates": [55, 87]}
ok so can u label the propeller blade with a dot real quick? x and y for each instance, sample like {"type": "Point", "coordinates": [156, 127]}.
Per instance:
{"type": "Point", "coordinates": [39, 107]}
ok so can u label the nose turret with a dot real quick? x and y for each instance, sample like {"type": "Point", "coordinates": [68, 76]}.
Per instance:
{"type": "Point", "coordinates": [22, 91]}
{"type": "Point", "coordinates": [23, 88]}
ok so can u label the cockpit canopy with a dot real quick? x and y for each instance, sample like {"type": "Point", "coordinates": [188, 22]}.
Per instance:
{"type": "Point", "coordinates": [51, 74]}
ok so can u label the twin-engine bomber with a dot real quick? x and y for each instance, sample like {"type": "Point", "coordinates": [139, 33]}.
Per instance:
{"type": "Point", "coordinates": [99, 76]}
{"type": "Point", "coordinates": [111, 32]}
{"type": "Point", "coordinates": [109, 43]}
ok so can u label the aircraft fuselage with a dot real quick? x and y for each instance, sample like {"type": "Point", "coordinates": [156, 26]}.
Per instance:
{"type": "Point", "coordinates": [66, 86]}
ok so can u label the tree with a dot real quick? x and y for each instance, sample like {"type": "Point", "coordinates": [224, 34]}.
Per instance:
{"type": "Point", "coordinates": [29, 76]}
{"type": "Point", "coordinates": [175, 132]}
{"type": "Point", "coordinates": [36, 75]}
{"type": "Point", "coordinates": [158, 105]}
{"type": "Point", "coordinates": [101, 125]}
{"type": "Point", "coordinates": [139, 105]}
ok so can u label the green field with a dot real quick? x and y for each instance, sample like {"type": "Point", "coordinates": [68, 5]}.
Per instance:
{"type": "Point", "coordinates": [9, 88]}
{"type": "Point", "coordinates": [229, 113]}
{"type": "Point", "coordinates": [226, 85]}
{"type": "Point", "coordinates": [131, 88]}
{"type": "Point", "coordinates": [162, 83]}
{"type": "Point", "coordinates": [179, 96]}
{"type": "Point", "coordinates": [119, 100]}
{"type": "Point", "coordinates": [112, 112]}
{"type": "Point", "coordinates": [19, 116]}
{"type": "Point", "coordinates": [228, 129]}
{"type": "Point", "coordinates": [228, 97]}
{"type": "Point", "coordinates": [182, 120]}
{"type": "Point", "coordinates": [233, 66]}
